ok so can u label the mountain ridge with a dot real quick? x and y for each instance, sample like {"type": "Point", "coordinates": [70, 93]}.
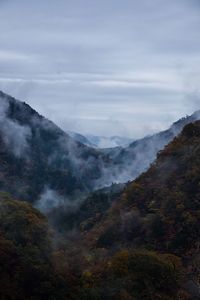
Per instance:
{"type": "Point", "coordinates": [39, 154]}
{"type": "Point", "coordinates": [53, 161]}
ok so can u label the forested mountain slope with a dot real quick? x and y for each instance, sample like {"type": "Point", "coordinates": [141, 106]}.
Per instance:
{"type": "Point", "coordinates": [160, 210]}
{"type": "Point", "coordinates": [131, 161]}
{"type": "Point", "coordinates": [37, 156]}
{"type": "Point", "coordinates": [164, 202]}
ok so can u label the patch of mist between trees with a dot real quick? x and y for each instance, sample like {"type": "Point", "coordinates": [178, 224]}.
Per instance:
{"type": "Point", "coordinates": [14, 135]}
{"type": "Point", "coordinates": [134, 162]}
{"type": "Point", "coordinates": [108, 174]}
{"type": "Point", "coordinates": [81, 159]}
{"type": "Point", "coordinates": [50, 200]}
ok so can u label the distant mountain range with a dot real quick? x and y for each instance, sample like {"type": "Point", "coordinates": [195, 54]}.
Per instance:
{"type": "Point", "coordinates": [40, 162]}
{"type": "Point", "coordinates": [81, 139]}
{"type": "Point", "coordinates": [101, 141]}
{"type": "Point", "coordinates": [109, 142]}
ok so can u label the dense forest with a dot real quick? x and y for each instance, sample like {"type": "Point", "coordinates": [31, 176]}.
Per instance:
{"type": "Point", "coordinates": [135, 241]}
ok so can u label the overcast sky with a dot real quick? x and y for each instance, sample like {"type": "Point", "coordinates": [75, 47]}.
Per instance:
{"type": "Point", "coordinates": [105, 67]}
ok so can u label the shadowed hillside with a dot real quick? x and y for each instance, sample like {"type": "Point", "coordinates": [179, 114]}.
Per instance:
{"type": "Point", "coordinates": [160, 211]}
{"type": "Point", "coordinates": [139, 241]}
{"type": "Point", "coordinates": [36, 156]}
{"type": "Point", "coordinates": [40, 162]}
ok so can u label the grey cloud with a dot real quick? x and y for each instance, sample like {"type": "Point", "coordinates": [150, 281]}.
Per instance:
{"type": "Point", "coordinates": [79, 54]}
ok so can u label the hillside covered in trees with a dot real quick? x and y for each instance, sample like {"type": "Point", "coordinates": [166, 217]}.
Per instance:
{"type": "Point", "coordinates": [33, 267]}
{"type": "Point", "coordinates": [139, 241]}
{"type": "Point", "coordinates": [160, 212]}
{"type": "Point", "coordinates": [37, 156]}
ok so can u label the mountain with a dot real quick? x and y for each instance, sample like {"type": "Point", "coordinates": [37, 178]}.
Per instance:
{"type": "Point", "coordinates": [40, 162]}
{"type": "Point", "coordinates": [160, 212]}
{"type": "Point", "coordinates": [131, 161]}
{"type": "Point", "coordinates": [100, 142]}
{"type": "Point", "coordinates": [38, 159]}
{"type": "Point", "coordinates": [81, 139]}
{"type": "Point", "coordinates": [108, 142]}
{"type": "Point", "coordinates": [139, 241]}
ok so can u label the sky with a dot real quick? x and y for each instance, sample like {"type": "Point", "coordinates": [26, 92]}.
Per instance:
{"type": "Point", "coordinates": [103, 67]}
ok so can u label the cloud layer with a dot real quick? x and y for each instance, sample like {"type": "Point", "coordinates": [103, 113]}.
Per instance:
{"type": "Point", "coordinates": [103, 67]}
